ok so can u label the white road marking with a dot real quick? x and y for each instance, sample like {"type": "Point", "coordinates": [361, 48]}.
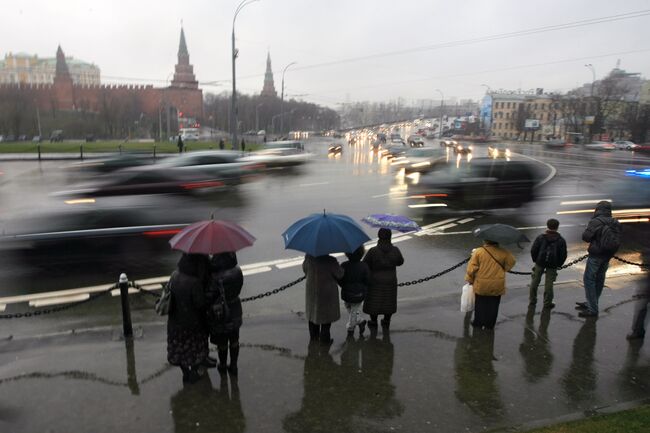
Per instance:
{"type": "Point", "coordinates": [439, 223]}
{"type": "Point", "coordinates": [547, 178]}
{"type": "Point", "coordinates": [313, 184]}
{"type": "Point", "coordinates": [568, 203]}
{"type": "Point", "coordinates": [466, 220]}
{"type": "Point", "coordinates": [257, 270]}
{"type": "Point", "coordinates": [568, 196]}
{"type": "Point", "coordinates": [3, 307]}
{"type": "Point", "coordinates": [116, 292]}
{"type": "Point", "coordinates": [59, 300]}
{"type": "Point", "coordinates": [435, 229]}
{"type": "Point", "coordinates": [289, 264]}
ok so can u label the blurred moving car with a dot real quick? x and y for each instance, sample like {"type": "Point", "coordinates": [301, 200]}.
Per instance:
{"type": "Point", "coordinates": [188, 172]}
{"type": "Point", "coordinates": [395, 136]}
{"type": "Point", "coordinates": [420, 159]}
{"type": "Point", "coordinates": [56, 136]}
{"type": "Point", "coordinates": [626, 145]}
{"type": "Point", "coordinates": [498, 151]}
{"type": "Point", "coordinates": [484, 183]}
{"type": "Point", "coordinates": [448, 143]}
{"type": "Point", "coordinates": [335, 149]}
{"type": "Point", "coordinates": [462, 150]}
{"type": "Point", "coordinates": [415, 141]}
{"type": "Point", "coordinates": [106, 232]}
{"type": "Point", "coordinates": [603, 146]}
{"type": "Point", "coordinates": [277, 154]}
{"type": "Point", "coordinates": [555, 143]}
{"type": "Point", "coordinates": [110, 163]}
{"type": "Point", "coordinates": [629, 195]}
{"type": "Point", "coordinates": [393, 150]}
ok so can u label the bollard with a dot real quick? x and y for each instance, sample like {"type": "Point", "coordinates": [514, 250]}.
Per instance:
{"type": "Point", "coordinates": [126, 310]}
{"type": "Point", "coordinates": [38, 146]}
{"type": "Point", "coordinates": [81, 151]}
{"type": "Point", "coordinates": [154, 151]}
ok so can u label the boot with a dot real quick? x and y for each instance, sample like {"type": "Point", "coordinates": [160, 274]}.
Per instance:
{"type": "Point", "coordinates": [314, 331]}
{"type": "Point", "coordinates": [362, 327]}
{"type": "Point", "coordinates": [222, 353]}
{"type": "Point", "coordinates": [234, 355]}
{"type": "Point", "coordinates": [325, 337]}
{"type": "Point", "coordinates": [186, 374]}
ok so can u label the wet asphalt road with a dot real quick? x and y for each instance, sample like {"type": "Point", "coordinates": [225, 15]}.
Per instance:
{"type": "Point", "coordinates": [356, 183]}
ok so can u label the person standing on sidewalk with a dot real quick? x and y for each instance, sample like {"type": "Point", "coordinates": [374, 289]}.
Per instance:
{"type": "Point", "coordinates": [641, 305]}
{"type": "Point", "coordinates": [383, 261]}
{"type": "Point", "coordinates": [354, 286]}
{"type": "Point", "coordinates": [549, 253]}
{"type": "Point", "coordinates": [187, 335]}
{"type": "Point", "coordinates": [486, 272]}
{"type": "Point", "coordinates": [322, 295]}
{"type": "Point", "coordinates": [604, 236]}
{"type": "Point", "coordinates": [180, 144]}
{"type": "Point", "coordinates": [225, 309]}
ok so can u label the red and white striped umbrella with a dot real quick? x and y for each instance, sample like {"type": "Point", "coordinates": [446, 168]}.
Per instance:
{"type": "Point", "coordinates": [212, 237]}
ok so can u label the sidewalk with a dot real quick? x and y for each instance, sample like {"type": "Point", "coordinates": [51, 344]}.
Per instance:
{"type": "Point", "coordinates": [432, 373]}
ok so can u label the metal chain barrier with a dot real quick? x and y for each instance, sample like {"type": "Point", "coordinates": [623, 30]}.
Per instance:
{"type": "Point", "coordinates": [274, 291]}
{"type": "Point", "coordinates": [627, 262]}
{"type": "Point", "coordinates": [431, 277]}
{"type": "Point", "coordinates": [59, 308]}
{"type": "Point", "coordinates": [566, 265]}
{"type": "Point", "coordinates": [45, 311]}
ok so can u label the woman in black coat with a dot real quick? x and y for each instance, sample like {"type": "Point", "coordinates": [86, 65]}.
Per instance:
{"type": "Point", "coordinates": [225, 319]}
{"type": "Point", "coordinates": [187, 335]}
{"type": "Point", "coordinates": [382, 292]}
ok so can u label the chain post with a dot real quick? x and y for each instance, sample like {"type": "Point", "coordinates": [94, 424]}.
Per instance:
{"type": "Point", "coordinates": [126, 309]}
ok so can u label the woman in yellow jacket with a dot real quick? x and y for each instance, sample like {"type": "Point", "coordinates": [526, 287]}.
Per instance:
{"type": "Point", "coordinates": [486, 272]}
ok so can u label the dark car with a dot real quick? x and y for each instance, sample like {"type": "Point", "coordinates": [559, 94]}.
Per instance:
{"type": "Point", "coordinates": [459, 149]}
{"type": "Point", "coordinates": [483, 183]}
{"type": "Point", "coordinates": [111, 163]}
{"type": "Point", "coordinates": [415, 141]}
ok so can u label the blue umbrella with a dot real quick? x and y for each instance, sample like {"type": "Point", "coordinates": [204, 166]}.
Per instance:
{"type": "Point", "coordinates": [391, 222]}
{"type": "Point", "coordinates": [320, 234]}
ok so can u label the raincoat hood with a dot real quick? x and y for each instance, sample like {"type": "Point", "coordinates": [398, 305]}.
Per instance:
{"type": "Point", "coordinates": [603, 209]}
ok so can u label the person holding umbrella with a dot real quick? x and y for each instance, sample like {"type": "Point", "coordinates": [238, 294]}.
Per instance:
{"type": "Point", "coordinates": [319, 235]}
{"type": "Point", "coordinates": [187, 335]}
{"type": "Point", "coordinates": [383, 261]}
{"type": "Point", "coordinates": [225, 312]}
{"type": "Point", "coordinates": [486, 271]}
{"type": "Point", "coordinates": [322, 295]}
{"type": "Point", "coordinates": [220, 290]}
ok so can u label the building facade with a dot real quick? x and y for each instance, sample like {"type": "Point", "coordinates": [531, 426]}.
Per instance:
{"type": "Point", "coordinates": [30, 69]}
{"type": "Point", "coordinates": [182, 98]}
{"type": "Point", "coordinates": [509, 111]}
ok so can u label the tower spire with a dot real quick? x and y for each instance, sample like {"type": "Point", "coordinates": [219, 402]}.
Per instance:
{"type": "Point", "coordinates": [184, 71]}
{"type": "Point", "coordinates": [269, 87]}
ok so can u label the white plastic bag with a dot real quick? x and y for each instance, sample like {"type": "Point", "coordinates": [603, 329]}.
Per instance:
{"type": "Point", "coordinates": [467, 299]}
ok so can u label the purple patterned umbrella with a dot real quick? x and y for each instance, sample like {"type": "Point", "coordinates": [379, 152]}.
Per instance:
{"type": "Point", "coordinates": [392, 222]}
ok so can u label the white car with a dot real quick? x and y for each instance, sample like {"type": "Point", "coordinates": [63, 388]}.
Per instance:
{"type": "Point", "coordinates": [627, 145]}
{"type": "Point", "coordinates": [603, 146]}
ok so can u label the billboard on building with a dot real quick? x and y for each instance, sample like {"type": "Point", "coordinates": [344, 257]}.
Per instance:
{"type": "Point", "coordinates": [589, 120]}
{"type": "Point", "coordinates": [532, 124]}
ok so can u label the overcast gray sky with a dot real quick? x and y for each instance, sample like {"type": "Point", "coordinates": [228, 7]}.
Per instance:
{"type": "Point", "coordinates": [139, 40]}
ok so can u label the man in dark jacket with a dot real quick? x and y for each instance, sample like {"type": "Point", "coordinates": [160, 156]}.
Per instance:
{"type": "Point", "coordinates": [180, 144]}
{"type": "Point", "coordinates": [549, 253]}
{"type": "Point", "coordinates": [600, 229]}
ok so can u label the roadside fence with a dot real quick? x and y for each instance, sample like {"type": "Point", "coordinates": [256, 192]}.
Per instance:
{"type": "Point", "coordinates": [124, 285]}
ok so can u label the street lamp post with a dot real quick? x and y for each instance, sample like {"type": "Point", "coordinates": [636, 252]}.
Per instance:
{"type": "Point", "coordinates": [257, 116]}
{"type": "Point", "coordinates": [442, 99]}
{"type": "Point", "coordinates": [233, 99]}
{"type": "Point", "coordinates": [593, 76]}
{"type": "Point", "coordinates": [593, 81]}
{"type": "Point", "coordinates": [282, 98]}
{"type": "Point", "coordinates": [488, 91]}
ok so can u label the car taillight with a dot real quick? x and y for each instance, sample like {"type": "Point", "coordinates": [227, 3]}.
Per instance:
{"type": "Point", "coordinates": [157, 233]}
{"type": "Point", "coordinates": [202, 184]}
{"type": "Point", "coordinates": [254, 167]}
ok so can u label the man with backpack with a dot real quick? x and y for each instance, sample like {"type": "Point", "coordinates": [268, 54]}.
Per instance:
{"type": "Point", "coordinates": [604, 236]}
{"type": "Point", "coordinates": [549, 253]}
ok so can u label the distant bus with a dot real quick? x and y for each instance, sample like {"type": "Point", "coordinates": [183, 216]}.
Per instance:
{"type": "Point", "coordinates": [189, 134]}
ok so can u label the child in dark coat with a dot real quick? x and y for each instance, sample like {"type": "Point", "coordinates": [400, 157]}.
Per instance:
{"type": "Point", "coordinates": [354, 286]}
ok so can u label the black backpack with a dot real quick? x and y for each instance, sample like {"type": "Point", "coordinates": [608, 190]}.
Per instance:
{"type": "Point", "coordinates": [610, 236]}
{"type": "Point", "coordinates": [548, 256]}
